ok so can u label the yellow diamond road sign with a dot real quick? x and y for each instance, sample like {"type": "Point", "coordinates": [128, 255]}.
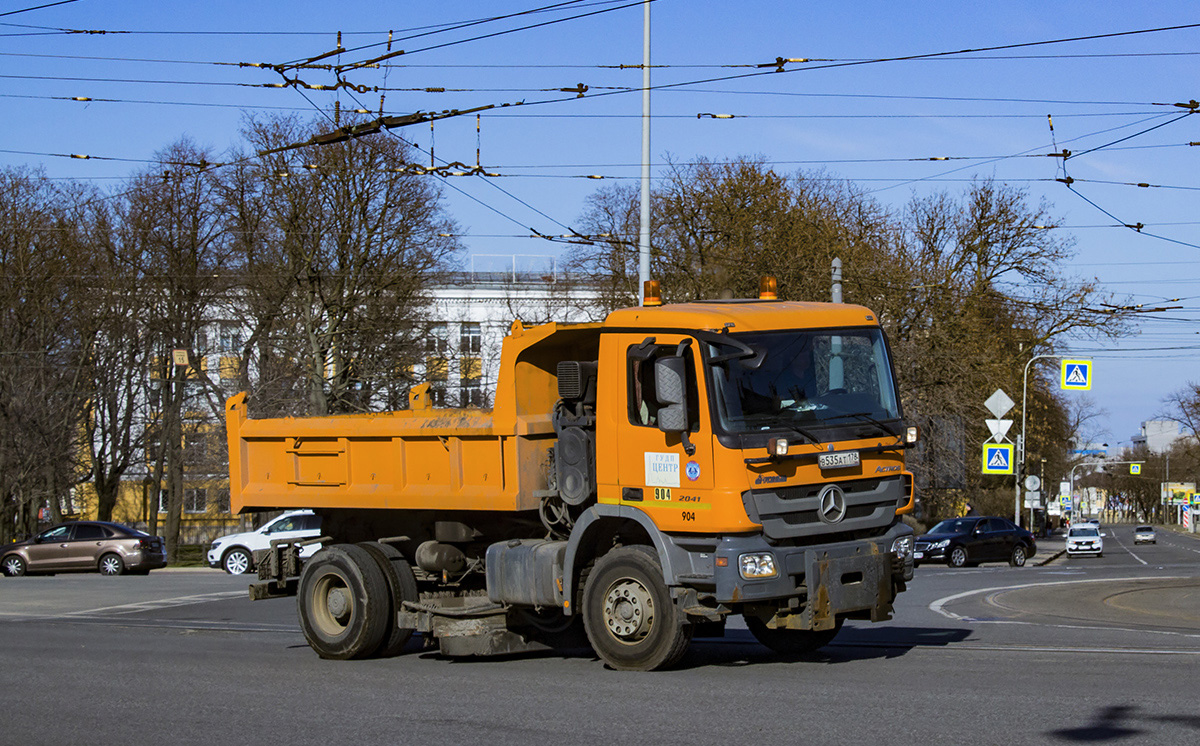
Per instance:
{"type": "Point", "coordinates": [1077, 375]}
{"type": "Point", "coordinates": [997, 458]}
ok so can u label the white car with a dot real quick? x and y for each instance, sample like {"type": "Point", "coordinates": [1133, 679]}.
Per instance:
{"type": "Point", "coordinates": [235, 553]}
{"type": "Point", "coordinates": [1084, 539]}
{"type": "Point", "coordinates": [1144, 534]}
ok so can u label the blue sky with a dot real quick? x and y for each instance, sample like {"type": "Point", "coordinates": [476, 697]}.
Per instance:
{"type": "Point", "coordinates": [875, 124]}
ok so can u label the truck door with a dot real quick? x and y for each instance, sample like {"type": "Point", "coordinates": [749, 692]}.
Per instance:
{"type": "Point", "coordinates": [656, 471]}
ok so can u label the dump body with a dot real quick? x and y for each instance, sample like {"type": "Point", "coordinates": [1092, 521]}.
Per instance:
{"type": "Point", "coordinates": [417, 459]}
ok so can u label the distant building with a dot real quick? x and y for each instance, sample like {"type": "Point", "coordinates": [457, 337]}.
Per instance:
{"type": "Point", "coordinates": [1158, 435]}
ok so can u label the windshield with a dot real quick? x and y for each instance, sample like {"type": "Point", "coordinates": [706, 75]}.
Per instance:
{"type": "Point", "coordinates": [1088, 531]}
{"type": "Point", "coordinates": [1142, 529]}
{"type": "Point", "coordinates": [806, 378]}
{"type": "Point", "coordinates": [954, 526]}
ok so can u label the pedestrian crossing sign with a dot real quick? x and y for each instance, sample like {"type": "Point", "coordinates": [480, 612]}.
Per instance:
{"type": "Point", "coordinates": [1077, 375]}
{"type": "Point", "coordinates": [1135, 468]}
{"type": "Point", "coordinates": [997, 458]}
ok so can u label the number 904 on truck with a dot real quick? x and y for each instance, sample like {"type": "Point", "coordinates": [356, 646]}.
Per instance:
{"type": "Point", "coordinates": [637, 481]}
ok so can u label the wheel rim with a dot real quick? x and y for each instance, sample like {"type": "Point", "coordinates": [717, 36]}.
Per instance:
{"type": "Point", "coordinates": [237, 563]}
{"type": "Point", "coordinates": [12, 566]}
{"type": "Point", "coordinates": [110, 565]}
{"type": "Point", "coordinates": [958, 557]}
{"type": "Point", "coordinates": [628, 611]}
{"type": "Point", "coordinates": [1019, 556]}
{"type": "Point", "coordinates": [332, 605]}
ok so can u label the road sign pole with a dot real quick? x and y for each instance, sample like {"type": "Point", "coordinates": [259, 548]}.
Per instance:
{"type": "Point", "coordinates": [1020, 464]}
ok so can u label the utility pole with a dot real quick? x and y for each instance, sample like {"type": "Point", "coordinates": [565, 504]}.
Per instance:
{"type": "Point", "coordinates": [644, 238]}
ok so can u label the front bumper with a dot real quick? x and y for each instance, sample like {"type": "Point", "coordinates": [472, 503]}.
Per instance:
{"type": "Point", "coordinates": [1084, 550]}
{"type": "Point", "coordinates": [830, 579]}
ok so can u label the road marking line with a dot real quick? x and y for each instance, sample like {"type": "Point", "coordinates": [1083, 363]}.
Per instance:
{"type": "Point", "coordinates": [1127, 549]}
{"type": "Point", "coordinates": [939, 605]}
{"type": "Point", "coordinates": [164, 603]}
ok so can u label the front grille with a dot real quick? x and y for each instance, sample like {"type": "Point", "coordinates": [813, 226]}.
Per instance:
{"type": "Point", "coordinates": [793, 512]}
{"type": "Point", "coordinates": [923, 546]}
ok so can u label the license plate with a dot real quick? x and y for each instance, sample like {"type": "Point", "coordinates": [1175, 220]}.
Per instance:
{"type": "Point", "coordinates": [918, 555]}
{"type": "Point", "coordinates": [839, 460]}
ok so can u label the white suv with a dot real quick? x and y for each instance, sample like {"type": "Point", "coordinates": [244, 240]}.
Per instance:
{"type": "Point", "coordinates": [235, 553]}
{"type": "Point", "coordinates": [1085, 539]}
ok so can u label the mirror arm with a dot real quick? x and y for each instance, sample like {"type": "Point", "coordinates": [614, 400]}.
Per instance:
{"type": "Point", "coordinates": [688, 447]}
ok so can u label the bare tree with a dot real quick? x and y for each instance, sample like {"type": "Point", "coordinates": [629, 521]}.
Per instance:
{"type": "Point", "coordinates": [173, 214]}
{"type": "Point", "coordinates": [39, 356]}
{"type": "Point", "coordinates": [360, 241]}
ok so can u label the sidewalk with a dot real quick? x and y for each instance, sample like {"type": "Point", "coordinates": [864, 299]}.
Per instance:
{"type": "Point", "coordinates": [1050, 548]}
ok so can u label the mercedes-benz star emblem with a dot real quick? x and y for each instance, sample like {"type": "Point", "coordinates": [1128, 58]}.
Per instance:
{"type": "Point", "coordinates": [833, 504]}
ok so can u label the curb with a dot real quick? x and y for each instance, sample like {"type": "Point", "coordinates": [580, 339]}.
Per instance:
{"type": "Point", "coordinates": [1052, 557]}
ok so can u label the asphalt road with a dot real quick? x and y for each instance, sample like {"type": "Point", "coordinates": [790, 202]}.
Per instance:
{"type": "Point", "coordinates": [1081, 650]}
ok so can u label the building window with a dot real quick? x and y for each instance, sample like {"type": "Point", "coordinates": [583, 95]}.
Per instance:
{"type": "Point", "coordinates": [470, 382]}
{"type": "Point", "coordinates": [231, 337]}
{"type": "Point", "coordinates": [437, 342]}
{"type": "Point", "coordinates": [195, 500]}
{"type": "Point", "coordinates": [223, 500]}
{"type": "Point", "coordinates": [470, 338]}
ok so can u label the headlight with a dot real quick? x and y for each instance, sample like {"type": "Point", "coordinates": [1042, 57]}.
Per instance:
{"type": "Point", "coordinates": [903, 547]}
{"type": "Point", "coordinates": [940, 544]}
{"type": "Point", "coordinates": [757, 565]}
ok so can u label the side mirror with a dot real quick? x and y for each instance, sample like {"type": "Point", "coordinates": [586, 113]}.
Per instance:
{"type": "Point", "coordinates": [670, 385]}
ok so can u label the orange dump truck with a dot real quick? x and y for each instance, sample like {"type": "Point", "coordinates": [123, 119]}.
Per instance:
{"type": "Point", "coordinates": [637, 481]}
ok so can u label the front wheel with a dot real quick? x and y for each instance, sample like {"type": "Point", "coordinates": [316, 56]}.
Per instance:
{"type": "Point", "coordinates": [111, 564]}
{"type": "Point", "coordinates": [14, 566]}
{"type": "Point", "coordinates": [791, 641]}
{"type": "Point", "coordinates": [236, 561]}
{"type": "Point", "coordinates": [630, 618]}
{"type": "Point", "coordinates": [958, 557]}
{"type": "Point", "coordinates": [1018, 556]}
{"type": "Point", "coordinates": [343, 600]}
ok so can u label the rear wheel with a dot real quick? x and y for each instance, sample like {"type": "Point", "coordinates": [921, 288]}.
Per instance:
{"type": "Point", "coordinates": [236, 561]}
{"type": "Point", "coordinates": [111, 564]}
{"type": "Point", "coordinates": [402, 586]}
{"type": "Point", "coordinates": [631, 620]}
{"type": "Point", "coordinates": [958, 557]}
{"type": "Point", "coordinates": [343, 602]}
{"type": "Point", "coordinates": [791, 641]}
{"type": "Point", "coordinates": [14, 566]}
{"type": "Point", "coordinates": [1018, 556]}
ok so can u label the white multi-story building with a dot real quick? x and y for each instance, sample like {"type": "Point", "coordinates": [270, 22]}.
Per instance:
{"type": "Point", "coordinates": [473, 315]}
{"type": "Point", "coordinates": [1158, 435]}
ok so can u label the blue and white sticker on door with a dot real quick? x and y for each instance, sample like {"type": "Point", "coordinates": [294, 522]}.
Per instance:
{"type": "Point", "coordinates": [662, 469]}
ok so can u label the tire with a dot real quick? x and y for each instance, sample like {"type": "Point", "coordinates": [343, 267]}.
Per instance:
{"type": "Point", "coordinates": [791, 641]}
{"type": "Point", "coordinates": [111, 564]}
{"type": "Point", "coordinates": [957, 557]}
{"type": "Point", "coordinates": [630, 618]}
{"type": "Point", "coordinates": [402, 586]}
{"type": "Point", "coordinates": [1018, 556]}
{"type": "Point", "coordinates": [237, 561]}
{"type": "Point", "coordinates": [13, 566]}
{"type": "Point", "coordinates": [343, 602]}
